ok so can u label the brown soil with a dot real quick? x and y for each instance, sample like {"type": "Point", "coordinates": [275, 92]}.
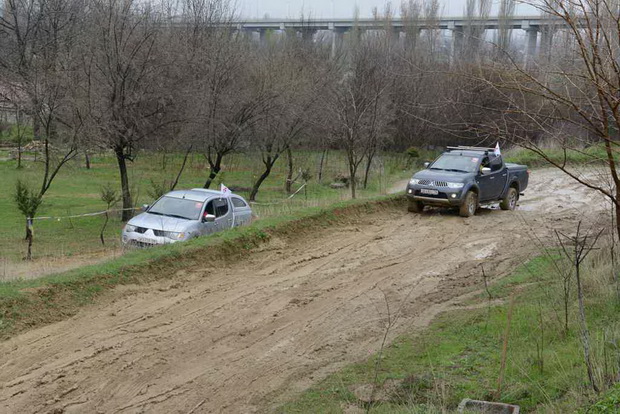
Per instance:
{"type": "Point", "coordinates": [245, 336]}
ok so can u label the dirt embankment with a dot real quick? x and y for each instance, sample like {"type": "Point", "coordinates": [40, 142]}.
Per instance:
{"type": "Point", "coordinates": [243, 337]}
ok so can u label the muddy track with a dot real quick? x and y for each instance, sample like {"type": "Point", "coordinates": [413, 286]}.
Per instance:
{"type": "Point", "coordinates": [244, 337]}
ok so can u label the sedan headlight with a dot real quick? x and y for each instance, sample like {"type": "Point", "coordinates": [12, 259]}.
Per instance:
{"type": "Point", "coordinates": [456, 185]}
{"type": "Point", "coordinates": [174, 235]}
{"type": "Point", "coordinates": [129, 228]}
{"type": "Point", "coordinates": [414, 181]}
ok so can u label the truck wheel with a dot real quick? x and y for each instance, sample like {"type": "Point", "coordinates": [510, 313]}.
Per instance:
{"type": "Point", "coordinates": [509, 202]}
{"type": "Point", "coordinates": [415, 206]}
{"type": "Point", "coordinates": [470, 205]}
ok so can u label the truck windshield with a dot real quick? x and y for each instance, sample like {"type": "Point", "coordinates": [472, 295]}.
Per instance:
{"type": "Point", "coordinates": [177, 207]}
{"type": "Point", "coordinates": [458, 163]}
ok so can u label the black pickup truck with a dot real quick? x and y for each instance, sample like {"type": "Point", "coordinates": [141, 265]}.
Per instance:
{"type": "Point", "coordinates": [466, 177]}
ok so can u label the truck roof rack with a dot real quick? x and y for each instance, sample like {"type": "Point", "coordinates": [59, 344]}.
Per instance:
{"type": "Point", "coordinates": [465, 148]}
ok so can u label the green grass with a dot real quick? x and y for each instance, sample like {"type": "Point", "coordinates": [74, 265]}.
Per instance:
{"type": "Point", "coordinates": [28, 303]}
{"type": "Point", "coordinates": [76, 190]}
{"type": "Point", "coordinates": [458, 356]}
{"type": "Point", "coordinates": [593, 154]}
{"type": "Point", "coordinates": [609, 404]}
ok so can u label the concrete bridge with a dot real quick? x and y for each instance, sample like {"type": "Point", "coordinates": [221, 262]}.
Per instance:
{"type": "Point", "coordinates": [531, 25]}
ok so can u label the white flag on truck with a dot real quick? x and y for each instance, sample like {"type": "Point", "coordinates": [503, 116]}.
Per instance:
{"type": "Point", "coordinates": [225, 191]}
{"type": "Point", "coordinates": [497, 151]}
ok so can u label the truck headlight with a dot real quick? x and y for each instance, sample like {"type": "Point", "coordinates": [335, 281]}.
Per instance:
{"type": "Point", "coordinates": [456, 185]}
{"type": "Point", "coordinates": [129, 228]}
{"type": "Point", "coordinates": [414, 181]}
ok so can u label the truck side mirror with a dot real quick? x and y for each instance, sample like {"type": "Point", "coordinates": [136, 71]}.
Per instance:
{"type": "Point", "coordinates": [208, 218]}
{"type": "Point", "coordinates": [485, 170]}
{"type": "Point", "coordinates": [426, 164]}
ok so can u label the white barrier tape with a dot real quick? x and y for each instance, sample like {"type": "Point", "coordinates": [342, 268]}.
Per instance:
{"type": "Point", "coordinates": [98, 213]}
{"type": "Point", "coordinates": [281, 201]}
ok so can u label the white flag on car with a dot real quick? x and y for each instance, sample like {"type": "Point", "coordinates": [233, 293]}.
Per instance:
{"type": "Point", "coordinates": [225, 191]}
{"type": "Point", "coordinates": [497, 152]}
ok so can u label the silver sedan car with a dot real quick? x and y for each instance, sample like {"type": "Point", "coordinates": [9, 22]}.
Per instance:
{"type": "Point", "coordinates": [186, 214]}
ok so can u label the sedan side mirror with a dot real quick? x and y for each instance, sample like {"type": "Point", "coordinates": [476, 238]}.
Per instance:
{"type": "Point", "coordinates": [208, 218]}
{"type": "Point", "coordinates": [486, 170]}
{"type": "Point", "coordinates": [426, 164]}
{"type": "Point", "coordinates": [144, 207]}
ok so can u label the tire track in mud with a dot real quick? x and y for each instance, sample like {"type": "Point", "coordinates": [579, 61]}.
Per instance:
{"type": "Point", "coordinates": [245, 336]}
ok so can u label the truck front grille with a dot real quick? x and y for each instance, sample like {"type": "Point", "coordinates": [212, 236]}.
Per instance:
{"type": "Point", "coordinates": [434, 183]}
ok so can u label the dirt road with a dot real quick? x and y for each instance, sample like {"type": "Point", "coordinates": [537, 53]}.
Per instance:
{"type": "Point", "coordinates": [243, 337]}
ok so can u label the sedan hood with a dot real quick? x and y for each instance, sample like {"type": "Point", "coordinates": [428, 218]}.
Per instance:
{"type": "Point", "coordinates": [157, 222]}
{"type": "Point", "coordinates": [438, 175]}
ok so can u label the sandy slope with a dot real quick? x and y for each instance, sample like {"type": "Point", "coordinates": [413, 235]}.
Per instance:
{"type": "Point", "coordinates": [243, 337]}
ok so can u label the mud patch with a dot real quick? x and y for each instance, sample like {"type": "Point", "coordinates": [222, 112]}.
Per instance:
{"type": "Point", "coordinates": [244, 335]}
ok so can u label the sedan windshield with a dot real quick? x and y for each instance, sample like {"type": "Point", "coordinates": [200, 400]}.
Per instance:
{"type": "Point", "coordinates": [177, 207]}
{"type": "Point", "coordinates": [457, 163]}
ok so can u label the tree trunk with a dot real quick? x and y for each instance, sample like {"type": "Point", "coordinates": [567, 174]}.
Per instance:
{"type": "Point", "coordinates": [19, 155]}
{"type": "Point", "coordinates": [214, 169]}
{"type": "Point", "coordinates": [617, 208]}
{"type": "Point", "coordinates": [122, 167]}
{"type": "Point", "coordinates": [352, 173]}
{"type": "Point", "coordinates": [176, 181]}
{"type": "Point", "coordinates": [323, 162]}
{"type": "Point", "coordinates": [367, 171]}
{"type": "Point", "coordinates": [260, 180]}
{"type": "Point", "coordinates": [289, 172]}
{"type": "Point", "coordinates": [29, 238]}
{"type": "Point", "coordinates": [36, 128]}
{"type": "Point", "coordinates": [87, 160]}
{"type": "Point", "coordinates": [104, 226]}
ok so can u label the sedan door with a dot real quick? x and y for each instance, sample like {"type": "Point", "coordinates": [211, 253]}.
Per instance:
{"type": "Point", "coordinates": [223, 214]}
{"type": "Point", "coordinates": [242, 212]}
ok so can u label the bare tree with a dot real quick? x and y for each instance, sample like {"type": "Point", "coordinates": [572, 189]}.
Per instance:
{"type": "Point", "coordinates": [577, 248]}
{"type": "Point", "coordinates": [226, 97]}
{"type": "Point", "coordinates": [572, 101]}
{"type": "Point", "coordinates": [125, 87]}
{"type": "Point", "coordinates": [37, 62]}
{"type": "Point", "coordinates": [358, 102]}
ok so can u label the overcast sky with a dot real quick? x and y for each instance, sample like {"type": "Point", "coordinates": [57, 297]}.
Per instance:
{"type": "Point", "coordinates": [338, 8]}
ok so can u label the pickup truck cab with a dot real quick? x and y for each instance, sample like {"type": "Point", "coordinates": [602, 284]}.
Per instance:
{"type": "Point", "coordinates": [465, 177]}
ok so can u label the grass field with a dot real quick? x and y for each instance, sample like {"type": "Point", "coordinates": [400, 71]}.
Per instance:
{"type": "Point", "coordinates": [459, 355]}
{"type": "Point", "coordinates": [590, 155]}
{"type": "Point", "coordinates": [77, 190]}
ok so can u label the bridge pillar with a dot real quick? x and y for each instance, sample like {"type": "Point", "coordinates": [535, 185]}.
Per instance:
{"type": "Point", "coordinates": [546, 42]}
{"type": "Point", "coordinates": [249, 34]}
{"type": "Point", "coordinates": [337, 38]}
{"type": "Point", "coordinates": [263, 36]}
{"type": "Point", "coordinates": [308, 34]}
{"type": "Point", "coordinates": [530, 47]}
{"type": "Point", "coordinates": [456, 45]}
{"type": "Point", "coordinates": [411, 37]}
{"type": "Point", "coordinates": [394, 35]}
